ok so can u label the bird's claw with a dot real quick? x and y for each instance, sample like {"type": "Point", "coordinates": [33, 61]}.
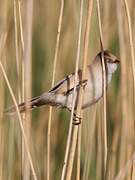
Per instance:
{"type": "Point", "coordinates": [76, 120]}
{"type": "Point", "coordinates": [83, 83]}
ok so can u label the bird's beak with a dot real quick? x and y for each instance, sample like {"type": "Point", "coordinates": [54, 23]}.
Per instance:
{"type": "Point", "coordinates": [117, 61]}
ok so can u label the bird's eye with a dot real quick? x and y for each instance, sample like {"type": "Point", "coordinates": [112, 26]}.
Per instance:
{"type": "Point", "coordinates": [109, 61]}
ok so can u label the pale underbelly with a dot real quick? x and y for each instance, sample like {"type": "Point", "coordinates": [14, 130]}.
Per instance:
{"type": "Point", "coordinates": [88, 100]}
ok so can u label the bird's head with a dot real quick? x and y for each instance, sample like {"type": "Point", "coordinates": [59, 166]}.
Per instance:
{"type": "Point", "coordinates": [111, 61]}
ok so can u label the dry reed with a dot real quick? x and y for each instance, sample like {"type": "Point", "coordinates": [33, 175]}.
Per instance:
{"type": "Point", "coordinates": [48, 45]}
{"type": "Point", "coordinates": [53, 81]}
{"type": "Point", "coordinates": [104, 126]}
{"type": "Point", "coordinates": [20, 121]}
{"type": "Point", "coordinates": [65, 171]}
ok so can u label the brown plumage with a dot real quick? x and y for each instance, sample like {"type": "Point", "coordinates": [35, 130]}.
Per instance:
{"type": "Point", "coordinates": [61, 95]}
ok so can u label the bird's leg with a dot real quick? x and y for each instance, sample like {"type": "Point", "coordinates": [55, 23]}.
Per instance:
{"type": "Point", "coordinates": [76, 119]}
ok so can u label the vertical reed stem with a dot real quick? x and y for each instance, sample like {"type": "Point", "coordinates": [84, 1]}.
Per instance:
{"type": "Point", "coordinates": [104, 86]}
{"type": "Point", "coordinates": [69, 140]}
{"type": "Point", "coordinates": [53, 81]}
{"type": "Point", "coordinates": [27, 79]}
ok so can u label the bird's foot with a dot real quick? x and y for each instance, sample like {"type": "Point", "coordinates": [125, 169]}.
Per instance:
{"type": "Point", "coordinates": [83, 83]}
{"type": "Point", "coordinates": [76, 120]}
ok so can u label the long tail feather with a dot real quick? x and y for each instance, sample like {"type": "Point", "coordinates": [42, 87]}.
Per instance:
{"type": "Point", "coordinates": [24, 106]}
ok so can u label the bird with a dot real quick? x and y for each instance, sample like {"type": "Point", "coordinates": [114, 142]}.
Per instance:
{"type": "Point", "coordinates": [61, 95]}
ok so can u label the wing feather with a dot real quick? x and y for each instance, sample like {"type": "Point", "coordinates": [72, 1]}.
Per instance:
{"type": "Point", "coordinates": [67, 84]}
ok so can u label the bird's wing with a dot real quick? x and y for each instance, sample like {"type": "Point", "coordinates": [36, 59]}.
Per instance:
{"type": "Point", "coordinates": [66, 85]}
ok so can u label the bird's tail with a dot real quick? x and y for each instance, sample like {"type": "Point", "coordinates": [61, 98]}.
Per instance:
{"type": "Point", "coordinates": [33, 103]}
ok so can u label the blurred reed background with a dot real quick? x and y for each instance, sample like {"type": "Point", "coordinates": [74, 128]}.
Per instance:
{"type": "Point", "coordinates": [28, 32]}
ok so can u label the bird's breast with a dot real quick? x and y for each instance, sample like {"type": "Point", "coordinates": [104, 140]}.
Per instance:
{"type": "Point", "coordinates": [93, 90]}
